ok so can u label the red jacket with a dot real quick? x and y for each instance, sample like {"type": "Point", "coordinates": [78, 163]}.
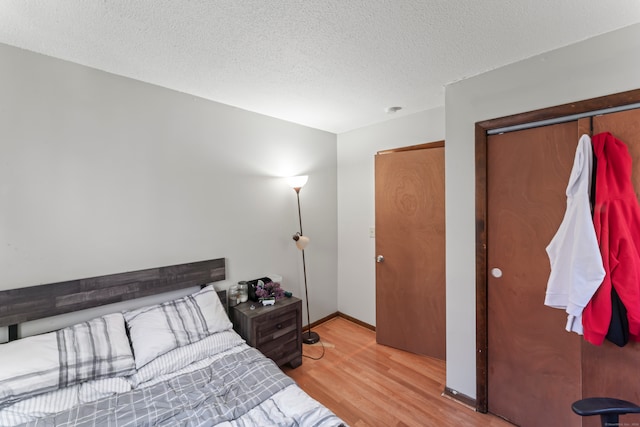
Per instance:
{"type": "Point", "coordinates": [617, 223]}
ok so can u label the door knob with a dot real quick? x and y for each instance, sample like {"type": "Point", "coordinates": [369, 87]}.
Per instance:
{"type": "Point", "coordinates": [379, 258]}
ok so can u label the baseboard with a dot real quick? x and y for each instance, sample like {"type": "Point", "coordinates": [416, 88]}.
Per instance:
{"type": "Point", "coordinates": [344, 316]}
{"type": "Point", "coordinates": [460, 397]}
{"type": "Point", "coordinates": [318, 322]}
{"type": "Point", "coordinates": [356, 321]}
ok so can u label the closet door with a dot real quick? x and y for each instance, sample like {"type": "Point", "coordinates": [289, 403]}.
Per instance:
{"type": "Point", "coordinates": [609, 370]}
{"type": "Point", "coordinates": [533, 363]}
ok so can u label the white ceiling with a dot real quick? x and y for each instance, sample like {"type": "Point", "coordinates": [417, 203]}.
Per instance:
{"type": "Point", "coordinates": [328, 64]}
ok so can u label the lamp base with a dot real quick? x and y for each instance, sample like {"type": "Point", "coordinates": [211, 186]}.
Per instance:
{"type": "Point", "coordinates": [310, 337]}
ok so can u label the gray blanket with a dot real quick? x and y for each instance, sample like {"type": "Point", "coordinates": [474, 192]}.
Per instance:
{"type": "Point", "coordinates": [223, 391]}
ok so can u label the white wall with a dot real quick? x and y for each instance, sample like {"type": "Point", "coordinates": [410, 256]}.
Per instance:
{"type": "Point", "coordinates": [356, 210]}
{"type": "Point", "coordinates": [101, 174]}
{"type": "Point", "coordinates": [600, 66]}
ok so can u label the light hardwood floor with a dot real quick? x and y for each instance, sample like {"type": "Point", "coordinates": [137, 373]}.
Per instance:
{"type": "Point", "coordinates": [367, 384]}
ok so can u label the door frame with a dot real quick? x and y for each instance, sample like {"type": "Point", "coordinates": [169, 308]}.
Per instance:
{"type": "Point", "coordinates": [434, 144]}
{"type": "Point", "coordinates": [481, 131]}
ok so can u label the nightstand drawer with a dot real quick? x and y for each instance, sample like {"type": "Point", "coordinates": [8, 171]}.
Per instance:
{"type": "Point", "coordinates": [276, 327]}
{"type": "Point", "coordinates": [282, 349]}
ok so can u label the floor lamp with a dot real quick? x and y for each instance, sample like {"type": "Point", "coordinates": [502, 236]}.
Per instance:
{"type": "Point", "coordinates": [297, 182]}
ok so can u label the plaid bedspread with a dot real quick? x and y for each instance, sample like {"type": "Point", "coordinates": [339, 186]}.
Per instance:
{"type": "Point", "coordinates": [223, 391]}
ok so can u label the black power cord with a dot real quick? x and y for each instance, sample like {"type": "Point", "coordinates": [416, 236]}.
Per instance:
{"type": "Point", "coordinates": [316, 358]}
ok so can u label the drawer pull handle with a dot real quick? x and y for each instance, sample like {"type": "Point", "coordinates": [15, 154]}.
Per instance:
{"type": "Point", "coordinates": [279, 326]}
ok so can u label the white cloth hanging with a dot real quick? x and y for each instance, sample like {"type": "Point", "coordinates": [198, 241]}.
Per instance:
{"type": "Point", "coordinates": [576, 262]}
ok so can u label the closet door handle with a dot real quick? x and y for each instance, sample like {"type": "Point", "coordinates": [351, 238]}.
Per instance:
{"type": "Point", "coordinates": [379, 259]}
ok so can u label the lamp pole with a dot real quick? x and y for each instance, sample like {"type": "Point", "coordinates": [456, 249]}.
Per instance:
{"type": "Point", "coordinates": [310, 337]}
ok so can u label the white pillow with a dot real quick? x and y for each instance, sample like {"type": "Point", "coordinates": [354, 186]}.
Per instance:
{"type": "Point", "coordinates": [98, 348]}
{"type": "Point", "coordinates": [155, 330]}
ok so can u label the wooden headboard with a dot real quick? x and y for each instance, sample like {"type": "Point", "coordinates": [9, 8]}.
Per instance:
{"type": "Point", "coordinates": [37, 302]}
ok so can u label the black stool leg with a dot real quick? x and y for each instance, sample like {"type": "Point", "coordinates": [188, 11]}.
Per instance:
{"type": "Point", "coordinates": [610, 420]}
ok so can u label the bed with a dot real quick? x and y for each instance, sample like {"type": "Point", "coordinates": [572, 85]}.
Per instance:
{"type": "Point", "coordinates": [174, 363]}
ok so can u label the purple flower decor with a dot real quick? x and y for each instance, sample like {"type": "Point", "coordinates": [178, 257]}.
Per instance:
{"type": "Point", "coordinates": [269, 289]}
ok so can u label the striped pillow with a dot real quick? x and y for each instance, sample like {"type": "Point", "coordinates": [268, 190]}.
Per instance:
{"type": "Point", "coordinates": [95, 349]}
{"type": "Point", "coordinates": [158, 329]}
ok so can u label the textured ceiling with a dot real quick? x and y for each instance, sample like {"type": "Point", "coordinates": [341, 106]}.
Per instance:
{"type": "Point", "coordinates": [329, 64]}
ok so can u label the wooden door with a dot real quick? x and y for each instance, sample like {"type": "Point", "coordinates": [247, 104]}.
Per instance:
{"type": "Point", "coordinates": [609, 370]}
{"type": "Point", "coordinates": [533, 363]}
{"type": "Point", "coordinates": [410, 235]}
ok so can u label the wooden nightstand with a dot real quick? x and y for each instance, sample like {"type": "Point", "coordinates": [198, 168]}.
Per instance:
{"type": "Point", "coordinates": [275, 330]}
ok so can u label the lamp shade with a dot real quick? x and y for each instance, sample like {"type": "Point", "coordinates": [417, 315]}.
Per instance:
{"type": "Point", "coordinates": [302, 242]}
{"type": "Point", "coordinates": [297, 181]}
